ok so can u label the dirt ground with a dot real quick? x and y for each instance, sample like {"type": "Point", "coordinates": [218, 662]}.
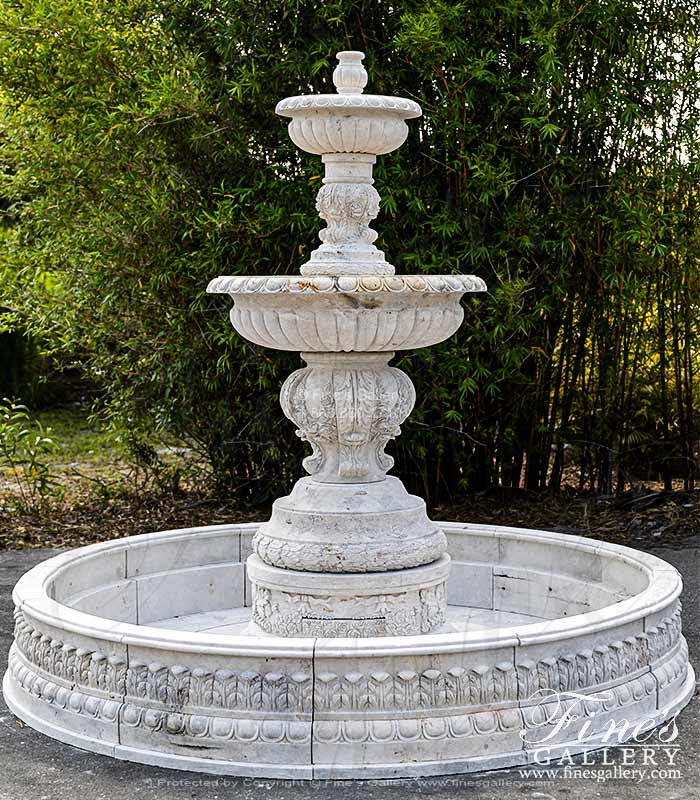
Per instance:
{"type": "Point", "coordinates": [103, 496]}
{"type": "Point", "coordinates": [647, 519]}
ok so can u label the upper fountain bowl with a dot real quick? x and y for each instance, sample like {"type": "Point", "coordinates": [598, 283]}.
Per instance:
{"type": "Point", "coordinates": [346, 313]}
{"type": "Point", "coordinates": [335, 123]}
{"type": "Point", "coordinates": [347, 298]}
{"type": "Point", "coordinates": [349, 121]}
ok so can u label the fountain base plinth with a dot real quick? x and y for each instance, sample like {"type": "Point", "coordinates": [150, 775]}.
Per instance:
{"type": "Point", "coordinates": [400, 603]}
{"type": "Point", "coordinates": [349, 527]}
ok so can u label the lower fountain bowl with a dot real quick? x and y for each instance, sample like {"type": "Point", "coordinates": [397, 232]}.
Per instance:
{"type": "Point", "coordinates": [142, 649]}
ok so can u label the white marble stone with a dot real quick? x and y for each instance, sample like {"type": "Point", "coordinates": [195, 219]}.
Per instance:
{"type": "Point", "coordinates": [392, 706]}
{"type": "Point", "coordinates": [399, 603]}
{"type": "Point", "coordinates": [347, 407]}
{"type": "Point", "coordinates": [481, 546]}
{"type": "Point", "coordinates": [237, 621]}
{"type": "Point", "coordinates": [175, 592]}
{"type": "Point", "coordinates": [115, 601]}
{"type": "Point", "coordinates": [349, 527]}
{"type": "Point", "coordinates": [348, 130]}
{"type": "Point", "coordinates": [330, 651]}
{"type": "Point", "coordinates": [207, 620]}
{"type": "Point", "coordinates": [219, 545]}
{"type": "Point", "coordinates": [470, 585]}
{"type": "Point", "coordinates": [583, 564]}
{"type": "Point", "coordinates": [84, 574]}
{"type": "Point", "coordinates": [547, 594]}
{"type": "Point", "coordinates": [325, 314]}
{"type": "Point", "coordinates": [347, 313]}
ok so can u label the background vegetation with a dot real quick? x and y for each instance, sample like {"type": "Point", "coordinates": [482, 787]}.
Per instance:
{"type": "Point", "coordinates": [557, 158]}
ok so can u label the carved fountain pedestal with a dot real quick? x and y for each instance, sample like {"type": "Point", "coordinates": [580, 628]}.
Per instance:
{"type": "Point", "coordinates": [348, 315]}
{"type": "Point", "coordinates": [349, 635]}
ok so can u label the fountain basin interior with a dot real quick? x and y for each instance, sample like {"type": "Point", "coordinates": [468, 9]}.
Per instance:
{"type": "Point", "coordinates": [142, 649]}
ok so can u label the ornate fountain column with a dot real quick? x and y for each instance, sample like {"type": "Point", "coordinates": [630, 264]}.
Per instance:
{"type": "Point", "coordinates": [349, 552]}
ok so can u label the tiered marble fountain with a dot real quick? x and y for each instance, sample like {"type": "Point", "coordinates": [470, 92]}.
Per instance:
{"type": "Point", "coordinates": [348, 636]}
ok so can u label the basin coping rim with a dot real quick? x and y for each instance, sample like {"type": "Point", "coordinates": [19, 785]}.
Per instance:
{"type": "Point", "coordinates": [313, 285]}
{"type": "Point", "coordinates": [307, 105]}
{"type": "Point", "coordinates": [664, 587]}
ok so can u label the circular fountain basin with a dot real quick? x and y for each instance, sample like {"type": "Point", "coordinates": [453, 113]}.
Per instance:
{"type": "Point", "coordinates": [348, 123]}
{"type": "Point", "coordinates": [360, 313]}
{"type": "Point", "coordinates": [142, 649]}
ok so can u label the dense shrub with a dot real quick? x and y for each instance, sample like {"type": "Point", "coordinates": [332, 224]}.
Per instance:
{"type": "Point", "coordinates": [557, 158]}
{"type": "Point", "coordinates": [24, 449]}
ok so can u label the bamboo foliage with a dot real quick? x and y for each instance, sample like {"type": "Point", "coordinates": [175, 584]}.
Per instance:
{"type": "Point", "coordinates": [557, 158]}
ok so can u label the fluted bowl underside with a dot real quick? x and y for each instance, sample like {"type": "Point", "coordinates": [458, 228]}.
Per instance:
{"type": "Point", "coordinates": [336, 134]}
{"type": "Point", "coordinates": [351, 123]}
{"type": "Point", "coordinates": [360, 313]}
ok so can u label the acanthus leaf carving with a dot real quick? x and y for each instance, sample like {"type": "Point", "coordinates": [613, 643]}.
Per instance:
{"type": "Point", "coordinates": [399, 614]}
{"type": "Point", "coordinates": [347, 208]}
{"type": "Point", "coordinates": [347, 409]}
